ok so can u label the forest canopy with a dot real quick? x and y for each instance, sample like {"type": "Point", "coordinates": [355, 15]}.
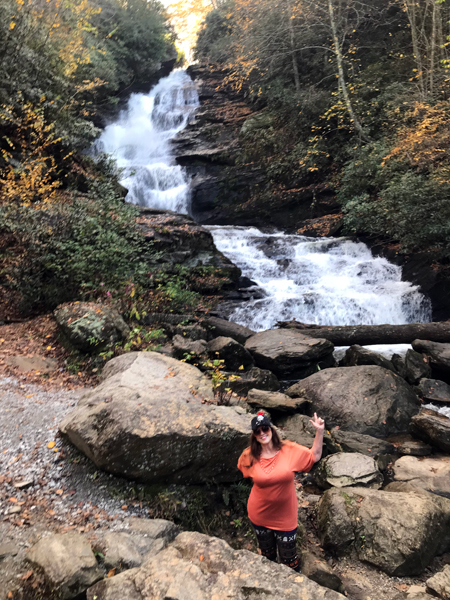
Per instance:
{"type": "Point", "coordinates": [357, 96]}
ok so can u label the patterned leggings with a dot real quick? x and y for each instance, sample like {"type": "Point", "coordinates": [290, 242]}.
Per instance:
{"type": "Point", "coordinates": [270, 540]}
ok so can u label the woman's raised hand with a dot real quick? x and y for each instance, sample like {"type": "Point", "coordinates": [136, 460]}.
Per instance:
{"type": "Point", "coordinates": [318, 423]}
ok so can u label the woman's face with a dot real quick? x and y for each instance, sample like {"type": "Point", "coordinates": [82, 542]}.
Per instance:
{"type": "Point", "coordinates": [264, 437]}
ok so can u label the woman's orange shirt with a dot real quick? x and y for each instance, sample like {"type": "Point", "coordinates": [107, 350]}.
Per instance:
{"type": "Point", "coordinates": [273, 501]}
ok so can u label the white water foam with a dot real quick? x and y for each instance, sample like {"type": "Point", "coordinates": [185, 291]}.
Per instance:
{"type": "Point", "coordinates": [140, 142]}
{"type": "Point", "coordinates": [323, 281]}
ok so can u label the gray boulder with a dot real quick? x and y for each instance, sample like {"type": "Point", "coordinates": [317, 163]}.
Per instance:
{"type": "Point", "coordinates": [367, 399]}
{"type": "Point", "coordinates": [231, 352]}
{"type": "Point", "coordinates": [357, 355]}
{"type": "Point", "coordinates": [125, 551]}
{"type": "Point", "coordinates": [199, 567]}
{"type": "Point", "coordinates": [298, 428]}
{"type": "Point", "coordinates": [416, 367]}
{"type": "Point", "coordinates": [433, 428]}
{"type": "Point", "coordinates": [439, 584]}
{"type": "Point", "coordinates": [219, 327]}
{"type": "Point", "coordinates": [432, 390]}
{"type": "Point", "coordinates": [348, 469]}
{"type": "Point", "coordinates": [135, 543]}
{"type": "Point", "coordinates": [349, 441]}
{"type": "Point", "coordinates": [190, 350]}
{"type": "Point", "coordinates": [67, 562]}
{"type": "Point", "coordinates": [319, 571]}
{"type": "Point", "coordinates": [275, 401]}
{"type": "Point", "coordinates": [260, 379]}
{"type": "Point", "coordinates": [289, 353]}
{"type": "Point", "coordinates": [430, 474]}
{"type": "Point", "coordinates": [191, 332]}
{"type": "Point", "coordinates": [399, 363]}
{"type": "Point", "coordinates": [439, 354]}
{"type": "Point", "coordinates": [89, 326]}
{"type": "Point", "coordinates": [397, 532]}
{"type": "Point", "coordinates": [148, 420]}
{"type": "Point", "coordinates": [413, 448]}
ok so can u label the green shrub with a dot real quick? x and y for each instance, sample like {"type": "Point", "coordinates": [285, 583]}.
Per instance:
{"type": "Point", "coordinates": [396, 202]}
{"type": "Point", "coordinates": [63, 250]}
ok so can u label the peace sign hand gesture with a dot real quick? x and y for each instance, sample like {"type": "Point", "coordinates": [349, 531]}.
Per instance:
{"type": "Point", "coordinates": [318, 423]}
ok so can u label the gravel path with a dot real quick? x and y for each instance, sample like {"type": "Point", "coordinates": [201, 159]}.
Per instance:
{"type": "Point", "coordinates": [46, 485]}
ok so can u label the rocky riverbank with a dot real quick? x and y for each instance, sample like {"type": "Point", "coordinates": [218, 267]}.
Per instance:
{"type": "Point", "coordinates": [178, 433]}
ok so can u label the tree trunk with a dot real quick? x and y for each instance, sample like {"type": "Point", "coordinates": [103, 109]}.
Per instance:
{"type": "Point", "coordinates": [293, 50]}
{"type": "Point", "coordinates": [434, 9]}
{"type": "Point", "coordinates": [341, 76]}
{"type": "Point", "coordinates": [412, 16]}
{"type": "Point", "coordinates": [375, 334]}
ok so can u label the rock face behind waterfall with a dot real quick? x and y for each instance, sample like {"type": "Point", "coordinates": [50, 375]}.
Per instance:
{"type": "Point", "coordinates": [365, 399]}
{"type": "Point", "coordinates": [146, 421]}
{"type": "Point", "coordinates": [224, 191]}
{"type": "Point", "coordinates": [181, 241]}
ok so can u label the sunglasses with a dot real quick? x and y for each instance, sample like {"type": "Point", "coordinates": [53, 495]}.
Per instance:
{"type": "Point", "coordinates": [263, 429]}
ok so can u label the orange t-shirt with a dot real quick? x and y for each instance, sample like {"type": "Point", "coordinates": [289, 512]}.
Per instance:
{"type": "Point", "coordinates": [273, 501]}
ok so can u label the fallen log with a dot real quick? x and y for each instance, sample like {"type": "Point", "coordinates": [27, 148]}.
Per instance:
{"type": "Point", "coordinates": [365, 335]}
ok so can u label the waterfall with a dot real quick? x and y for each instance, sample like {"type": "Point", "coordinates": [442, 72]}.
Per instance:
{"type": "Point", "coordinates": [140, 143]}
{"type": "Point", "coordinates": [324, 281]}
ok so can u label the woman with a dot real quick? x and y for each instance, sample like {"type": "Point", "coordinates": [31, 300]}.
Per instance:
{"type": "Point", "coordinates": [272, 505]}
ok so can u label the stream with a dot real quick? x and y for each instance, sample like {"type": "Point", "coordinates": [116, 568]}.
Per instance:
{"type": "Point", "coordinates": [327, 281]}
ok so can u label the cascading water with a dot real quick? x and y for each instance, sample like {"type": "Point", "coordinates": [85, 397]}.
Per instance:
{"type": "Point", "coordinates": [140, 143]}
{"type": "Point", "coordinates": [326, 281]}
{"type": "Point", "coordinates": [322, 281]}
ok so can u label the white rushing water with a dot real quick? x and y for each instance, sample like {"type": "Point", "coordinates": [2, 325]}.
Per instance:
{"type": "Point", "coordinates": [322, 281]}
{"type": "Point", "coordinates": [140, 142]}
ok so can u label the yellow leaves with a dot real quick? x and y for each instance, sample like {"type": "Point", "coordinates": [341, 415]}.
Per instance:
{"type": "Point", "coordinates": [12, 25]}
{"type": "Point", "coordinates": [51, 445]}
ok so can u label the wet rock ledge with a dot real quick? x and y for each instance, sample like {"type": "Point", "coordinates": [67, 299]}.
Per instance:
{"type": "Point", "coordinates": [229, 188]}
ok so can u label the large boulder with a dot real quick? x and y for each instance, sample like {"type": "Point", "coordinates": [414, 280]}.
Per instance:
{"type": "Point", "coordinates": [398, 532]}
{"type": "Point", "coordinates": [198, 567]}
{"type": "Point", "coordinates": [430, 474]}
{"type": "Point", "coordinates": [234, 355]}
{"type": "Point", "coordinates": [289, 353]}
{"type": "Point", "coordinates": [89, 327]}
{"type": "Point", "coordinates": [219, 327]}
{"type": "Point", "coordinates": [67, 563]}
{"type": "Point", "coordinates": [432, 427]}
{"type": "Point", "coordinates": [348, 469]}
{"type": "Point", "coordinates": [275, 401]}
{"type": "Point", "coordinates": [149, 420]}
{"type": "Point", "coordinates": [366, 399]}
{"type": "Point", "coordinates": [432, 390]}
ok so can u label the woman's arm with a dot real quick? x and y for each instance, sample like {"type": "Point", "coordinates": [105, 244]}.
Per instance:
{"type": "Point", "coordinates": [319, 425]}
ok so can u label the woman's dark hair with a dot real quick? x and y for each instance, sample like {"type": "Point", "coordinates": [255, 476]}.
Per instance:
{"type": "Point", "coordinates": [255, 446]}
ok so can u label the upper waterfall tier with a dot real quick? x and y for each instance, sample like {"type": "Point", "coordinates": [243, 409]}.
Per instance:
{"type": "Point", "coordinates": [140, 143]}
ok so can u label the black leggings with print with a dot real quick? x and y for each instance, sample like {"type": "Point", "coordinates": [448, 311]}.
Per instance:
{"type": "Point", "coordinates": [270, 540]}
